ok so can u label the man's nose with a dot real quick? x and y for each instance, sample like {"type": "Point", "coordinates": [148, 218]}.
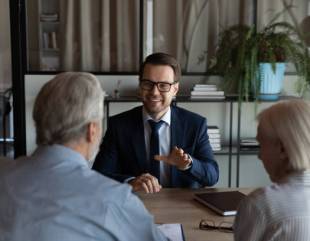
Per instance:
{"type": "Point", "coordinates": [155, 89]}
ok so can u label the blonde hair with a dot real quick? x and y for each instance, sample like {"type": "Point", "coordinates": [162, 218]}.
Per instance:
{"type": "Point", "coordinates": [289, 122]}
{"type": "Point", "coordinates": [64, 107]}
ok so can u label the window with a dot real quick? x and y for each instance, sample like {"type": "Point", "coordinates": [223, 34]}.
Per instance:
{"type": "Point", "coordinates": [189, 29]}
{"type": "Point", "coordinates": [88, 35]}
{"type": "Point", "coordinates": [111, 36]}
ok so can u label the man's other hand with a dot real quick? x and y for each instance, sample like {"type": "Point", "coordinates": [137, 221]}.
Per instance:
{"type": "Point", "coordinates": [146, 182]}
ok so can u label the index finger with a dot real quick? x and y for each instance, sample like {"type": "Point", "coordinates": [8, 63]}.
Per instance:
{"type": "Point", "coordinates": [161, 158]}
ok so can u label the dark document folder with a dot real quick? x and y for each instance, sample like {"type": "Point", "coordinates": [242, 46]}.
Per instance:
{"type": "Point", "coordinates": [224, 203]}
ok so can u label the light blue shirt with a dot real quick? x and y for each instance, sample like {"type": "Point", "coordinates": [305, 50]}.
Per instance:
{"type": "Point", "coordinates": [53, 195]}
{"type": "Point", "coordinates": [164, 133]}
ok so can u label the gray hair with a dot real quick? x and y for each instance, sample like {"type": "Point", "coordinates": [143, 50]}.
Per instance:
{"type": "Point", "coordinates": [65, 106]}
{"type": "Point", "coordinates": [289, 122]}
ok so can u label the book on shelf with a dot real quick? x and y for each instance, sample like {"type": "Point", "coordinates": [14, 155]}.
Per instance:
{"type": "Point", "coordinates": [50, 41]}
{"type": "Point", "coordinates": [249, 142]}
{"type": "Point", "coordinates": [216, 149]}
{"type": "Point", "coordinates": [213, 129]}
{"type": "Point", "coordinates": [214, 140]}
{"type": "Point", "coordinates": [249, 148]}
{"type": "Point", "coordinates": [49, 17]}
{"type": "Point", "coordinates": [54, 44]}
{"type": "Point", "coordinates": [205, 88]}
{"type": "Point", "coordinates": [207, 97]}
{"type": "Point", "coordinates": [45, 41]}
{"type": "Point", "coordinates": [207, 93]}
{"type": "Point", "coordinates": [215, 145]}
{"type": "Point", "coordinates": [214, 135]}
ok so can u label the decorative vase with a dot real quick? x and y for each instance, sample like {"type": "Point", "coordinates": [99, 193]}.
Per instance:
{"type": "Point", "coordinates": [271, 81]}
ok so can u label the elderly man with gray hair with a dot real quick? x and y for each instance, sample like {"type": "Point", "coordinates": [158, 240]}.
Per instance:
{"type": "Point", "coordinates": [52, 194]}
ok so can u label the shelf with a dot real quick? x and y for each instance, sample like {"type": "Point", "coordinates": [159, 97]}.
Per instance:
{"type": "Point", "coordinates": [49, 22]}
{"type": "Point", "coordinates": [189, 99]}
{"type": "Point", "coordinates": [53, 51]}
{"type": "Point", "coordinates": [179, 99]}
{"type": "Point", "coordinates": [249, 152]}
{"type": "Point", "coordinates": [182, 98]}
{"type": "Point", "coordinates": [224, 151]}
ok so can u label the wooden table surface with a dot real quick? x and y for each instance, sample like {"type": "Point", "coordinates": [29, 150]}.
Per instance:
{"type": "Point", "coordinates": [179, 206]}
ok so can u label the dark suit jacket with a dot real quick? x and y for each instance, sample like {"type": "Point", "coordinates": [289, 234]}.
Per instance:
{"type": "Point", "coordinates": [122, 153]}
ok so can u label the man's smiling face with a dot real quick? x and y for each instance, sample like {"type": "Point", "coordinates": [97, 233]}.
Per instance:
{"type": "Point", "coordinates": [155, 102]}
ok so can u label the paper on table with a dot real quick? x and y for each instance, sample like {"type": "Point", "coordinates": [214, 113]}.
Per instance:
{"type": "Point", "coordinates": [173, 231]}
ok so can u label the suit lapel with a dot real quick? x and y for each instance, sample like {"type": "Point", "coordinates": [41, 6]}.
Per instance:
{"type": "Point", "coordinates": [138, 141]}
{"type": "Point", "coordinates": [176, 140]}
{"type": "Point", "coordinates": [176, 129]}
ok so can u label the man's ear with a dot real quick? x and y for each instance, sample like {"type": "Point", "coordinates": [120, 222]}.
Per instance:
{"type": "Point", "coordinates": [91, 132]}
{"type": "Point", "coordinates": [176, 88]}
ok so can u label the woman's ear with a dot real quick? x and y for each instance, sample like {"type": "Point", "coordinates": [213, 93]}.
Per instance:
{"type": "Point", "coordinates": [283, 155]}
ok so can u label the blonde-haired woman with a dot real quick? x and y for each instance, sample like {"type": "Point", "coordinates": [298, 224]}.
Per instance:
{"type": "Point", "coordinates": [280, 211]}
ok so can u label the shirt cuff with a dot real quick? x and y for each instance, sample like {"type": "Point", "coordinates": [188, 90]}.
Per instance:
{"type": "Point", "coordinates": [189, 165]}
{"type": "Point", "coordinates": [128, 179]}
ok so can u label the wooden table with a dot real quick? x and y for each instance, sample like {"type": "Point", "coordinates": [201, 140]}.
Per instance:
{"type": "Point", "coordinates": [179, 206]}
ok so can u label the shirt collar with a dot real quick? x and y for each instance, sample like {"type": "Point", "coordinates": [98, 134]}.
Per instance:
{"type": "Point", "coordinates": [57, 152]}
{"type": "Point", "coordinates": [298, 177]}
{"type": "Point", "coordinates": [166, 117]}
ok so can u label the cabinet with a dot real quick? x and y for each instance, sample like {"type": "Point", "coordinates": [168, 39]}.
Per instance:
{"type": "Point", "coordinates": [237, 167]}
{"type": "Point", "coordinates": [49, 28]}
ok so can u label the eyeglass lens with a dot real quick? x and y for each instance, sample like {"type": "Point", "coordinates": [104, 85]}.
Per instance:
{"type": "Point", "coordinates": [210, 225]}
{"type": "Point", "coordinates": [149, 85]}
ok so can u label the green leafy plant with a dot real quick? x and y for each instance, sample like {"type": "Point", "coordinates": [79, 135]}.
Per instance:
{"type": "Point", "coordinates": [241, 48]}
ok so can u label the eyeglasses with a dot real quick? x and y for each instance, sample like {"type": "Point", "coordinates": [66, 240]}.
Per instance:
{"type": "Point", "coordinates": [210, 225]}
{"type": "Point", "coordinates": [146, 84]}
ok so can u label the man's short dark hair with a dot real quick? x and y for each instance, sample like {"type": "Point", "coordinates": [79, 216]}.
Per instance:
{"type": "Point", "coordinates": [162, 59]}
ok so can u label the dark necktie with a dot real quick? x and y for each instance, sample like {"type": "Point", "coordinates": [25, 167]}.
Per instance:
{"type": "Point", "coordinates": [154, 148]}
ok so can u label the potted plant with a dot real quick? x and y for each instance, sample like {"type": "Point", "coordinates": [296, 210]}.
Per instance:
{"type": "Point", "coordinates": [251, 60]}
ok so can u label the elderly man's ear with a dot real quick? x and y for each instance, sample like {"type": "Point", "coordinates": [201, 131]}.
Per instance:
{"type": "Point", "coordinates": [92, 132]}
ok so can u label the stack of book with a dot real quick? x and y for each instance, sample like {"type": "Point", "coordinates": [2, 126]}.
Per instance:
{"type": "Point", "coordinates": [214, 138]}
{"type": "Point", "coordinates": [249, 144]}
{"type": "Point", "coordinates": [49, 17]}
{"type": "Point", "coordinates": [205, 91]}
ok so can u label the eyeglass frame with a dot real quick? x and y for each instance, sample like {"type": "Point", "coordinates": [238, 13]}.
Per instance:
{"type": "Point", "coordinates": [157, 85]}
{"type": "Point", "coordinates": [203, 225]}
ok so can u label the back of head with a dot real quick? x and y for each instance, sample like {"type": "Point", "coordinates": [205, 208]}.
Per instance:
{"type": "Point", "coordinates": [288, 122]}
{"type": "Point", "coordinates": [162, 59]}
{"type": "Point", "coordinates": [64, 107]}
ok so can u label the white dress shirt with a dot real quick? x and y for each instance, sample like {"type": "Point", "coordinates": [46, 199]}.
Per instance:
{"type": "Point", "coordinates": [279, 212]}
{"type": "Point", "coordinates": [164, 133]}
{"type": "Point", "coordinates": [53, 195]}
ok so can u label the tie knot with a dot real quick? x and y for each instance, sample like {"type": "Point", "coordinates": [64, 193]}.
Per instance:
{"type": "Point", "coordinates": [155, 125]}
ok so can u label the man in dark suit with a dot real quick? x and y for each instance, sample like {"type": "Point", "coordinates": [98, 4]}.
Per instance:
{"type": "Point", "coordinates": [157, 144]}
